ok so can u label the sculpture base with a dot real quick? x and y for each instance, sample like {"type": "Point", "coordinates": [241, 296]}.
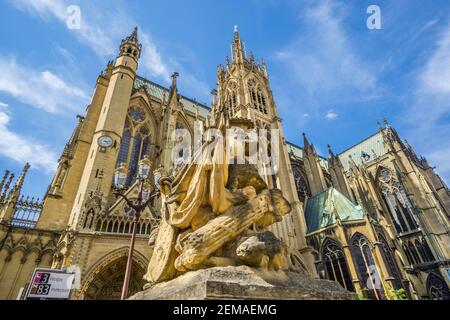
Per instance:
{"type": "Point", "coordinates": [244, 283]}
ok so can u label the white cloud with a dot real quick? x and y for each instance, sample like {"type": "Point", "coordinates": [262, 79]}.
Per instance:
{"type": "Point", "coordinates": [151, 58]}
{"type": "Point", "coordinates": [2, 104]}
{"type": "Point", "coordinates": [23, 149]}
{"type": "Point", "coordinates": [89, 33]}
{"type": "Point", "coordinates": [66, 54]}
{"type": "Point", "coordinates": [430, 110]}
{"type": "Point", "coordinates": [321, 58]}
{"type": "Point", "coordinates": [40, 89]}
{"type": "Point", "coordinates": [331, 115]}
{"type": "Point", "coordinates": [115, 20]}
{"type": "Point", "coordinates": [436, 74]}
{"type": "Point", "coordinates": [103, 25]}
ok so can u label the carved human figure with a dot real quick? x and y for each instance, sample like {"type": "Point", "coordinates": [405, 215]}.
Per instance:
{"type": "Point", "coordinates": [203, 218]}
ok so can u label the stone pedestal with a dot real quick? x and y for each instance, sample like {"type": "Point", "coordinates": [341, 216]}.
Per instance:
{"type": "Point", "coordinates": [244, 283]}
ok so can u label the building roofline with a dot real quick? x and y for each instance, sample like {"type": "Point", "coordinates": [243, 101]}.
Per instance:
{"type": "Point", "coordinates": [358, 143]}
{"type": "Point", "coordinates": [301, 148]}
{"type": "Point", "coordinates": [167, 89]}
{"type": "Point", "coordinates": [209, 108]}
{"type": "Point", "coordinates": [294, 145]}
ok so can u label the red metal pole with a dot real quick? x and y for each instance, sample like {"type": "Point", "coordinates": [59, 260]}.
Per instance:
{"type": "Point", "coordinates": [130, 260]}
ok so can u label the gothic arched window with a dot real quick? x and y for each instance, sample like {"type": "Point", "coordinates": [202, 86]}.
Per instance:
{"type": "Point", "coordinates": [368, 271]}
{"type": "Point", "coordinates": [437, 288]}
{"type": "Point", "coordinates": [135, 142]}
{"type": "Point", "coordinates": [408, 254]}
{"type": "Point", "coordinates": [257, 97]}
{"type": "Point", "coordinates": [429, 254]}
{"type": "Point", "coordinates": [390, 262]}
{"type": "Point", "coordinates": [301, 183]}
{"type": "Point", "coordinates": [422, 252]}
{"type": "Point", "coordinates": [335, 264]}
{"type": "Point", "coordinates": [397, 201]}
{"type": "Point", "coordinates": [414, 254]}
{"type": "Point", "coordinates": [124, 147]}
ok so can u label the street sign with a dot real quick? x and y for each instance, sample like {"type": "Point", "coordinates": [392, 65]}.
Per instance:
{"type": "Point", "coordinates": [50, 284]}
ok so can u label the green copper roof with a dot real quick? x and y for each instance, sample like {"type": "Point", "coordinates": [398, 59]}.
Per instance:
{"type": "Point", "coordinates": [159, 91]}
{"type": "Point", "coordinates": [321, 210]}
{"type": "Point", "coordinates": [371, 147]}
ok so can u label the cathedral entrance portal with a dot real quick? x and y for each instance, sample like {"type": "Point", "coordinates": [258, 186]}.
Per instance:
{"type": "Point", "coordinates": [105, 281]}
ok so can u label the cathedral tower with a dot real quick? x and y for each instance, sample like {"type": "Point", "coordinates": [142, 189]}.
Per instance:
{"type": "Point", "coordinates": [60, 196]}
{"type": "Point", "coordinates": [99, 168]}
{"type": "Point", "coordinates": [244, 93]}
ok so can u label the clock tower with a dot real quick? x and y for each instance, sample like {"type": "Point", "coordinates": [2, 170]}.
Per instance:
{"type": "Point", "coordinates": [101, 159]}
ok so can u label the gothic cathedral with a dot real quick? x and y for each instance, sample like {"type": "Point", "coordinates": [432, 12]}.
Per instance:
{"type": "Point", "coordinates": [374, 218]}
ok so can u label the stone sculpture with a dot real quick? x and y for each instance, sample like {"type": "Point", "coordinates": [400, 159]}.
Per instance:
{"type": "Point", "coordinates": [213, 215]}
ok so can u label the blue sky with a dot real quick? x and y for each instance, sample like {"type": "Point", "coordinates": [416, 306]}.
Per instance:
{"type": "Point", "coordinates": [331, 76]}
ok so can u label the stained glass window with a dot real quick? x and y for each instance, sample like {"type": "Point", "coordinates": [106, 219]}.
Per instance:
{"type": "Point", "coordinates": [144, 130]}
{"type": "Point", "coordinates": [390, 262]}
{"type": "Point", "coordinates": [367, 269]}
{"type": "Point", "coordinates": [397, 201]}
{"type": "Point", "coordinates": [145, 148]}
{"type": "Point", "coordinates": [134, 159]}
{"type": "Point", "coordinates": [422, 251]}
{"type": "Point", "coordinates": [335, 264]}
{"type": "Point", "coordinates": [135, 142]}
{"type": "Point", "coordinates": [437, 288]}
{"type": "Point", "coordinates": [427, 250]}
{"type": "Point", "coordinates": [301, 184]}
{"type": "Point", "coordinates": [408, 254]}
{"type": "Point", "coordinates": [136, 114]}
{"type": "Point", "coordinates": [124, 147]}
{"type": "Point", "coordinates": [414, 253]}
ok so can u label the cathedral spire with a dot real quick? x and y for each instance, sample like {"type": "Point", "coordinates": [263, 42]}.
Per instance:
{"type": "Point", "coordinates": [5, 190]}
{"type": "Point", "coordinates": [130, 46]}
{"type": "Point", "coordinates": [133, 37]}
{"type": "Point", "coordinates": [306, 144]}
{"type": "Point", "coordinates": [173, 88]}
{"type": "Point", "coordinates": [174, 77]}
{"type": "Point", "coordinates": [386, 123]}
{"type": "Point", "coordinates": [238, 56]}
{"type": "Point", "coordinates": [2, 183]}
{"type": "Point", "coordinates": [214, 99]}
{"type": "Point", "coordinates": [333, 159]}
{"type": "Point", "coordinates": [330, 152]}
{"type": "Point", "coordinates": [19, 183]}
{"type": "Point", "coordinates": [313, 167]}
{"type": "Point", "coordinates": [380, 127]}
{"type": "Point", "coordinates": [352, 164]}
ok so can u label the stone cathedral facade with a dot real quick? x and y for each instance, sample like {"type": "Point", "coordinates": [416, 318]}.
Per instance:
{"type": "Point", "coordinates": [374, 218]}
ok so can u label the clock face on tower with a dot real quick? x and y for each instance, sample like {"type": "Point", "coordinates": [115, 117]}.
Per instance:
{"type": "Point", "coordinates": [105, 141]}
